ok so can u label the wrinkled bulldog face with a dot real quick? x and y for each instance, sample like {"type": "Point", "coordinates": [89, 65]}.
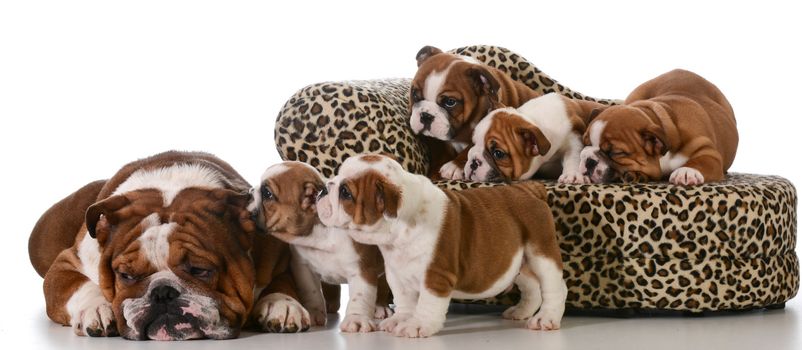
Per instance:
{"type": "Point", "coordinates": [448, 94]}
{"type": "Point", "coordinates": [284, 204]}
{"type": "Point", "coordinates": [505, 147]}
{"type": "Point", "coordinates": [362, 196]}
{"type": "Point", "coordinates": [623, 144]}
{"type": "Point", "coordinates": [175, 271]}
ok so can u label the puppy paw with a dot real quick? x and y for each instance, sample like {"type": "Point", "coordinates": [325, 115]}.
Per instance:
{"type": "Point", "coordinates": [546, 320]}
{"type": "Point", "coordinates": [382, 311]}
{"type": "Point", "coordinates": [93, 317]}
{"type": "Point", "coordinates": [451, 171]}
{"type": "Point", "coordinates": [280, 313]}
{"type": "Point", "coordinates": [318, 317]}
{"type": "Point", "coordinates": [686, 176]}
{"type": "Point", "coordinates": [357, 324]}
{"type": "Point", "coordinates": [573, 178]}
{"type": "Point", "coordinates": [518, 312]}
{"type": "Point", "coordinates": [417, 328]}
{"type": "Point", "coordinates": [389, 324]}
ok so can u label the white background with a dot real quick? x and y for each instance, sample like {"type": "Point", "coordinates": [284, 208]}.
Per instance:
{"type": "Point", "coordinates": [88, 86]}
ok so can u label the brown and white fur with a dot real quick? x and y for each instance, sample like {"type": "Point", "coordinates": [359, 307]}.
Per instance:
{"type": "Point", "coordinates": [543, 137]}
{"type": "Point", "coordinates": [441, 244]}
{"type": "Point", "coordinates": [677, 126]}
{"type": "Point", "coordinates": [285, 206]}
{"type": "Point", "coordinates": [164, 250]}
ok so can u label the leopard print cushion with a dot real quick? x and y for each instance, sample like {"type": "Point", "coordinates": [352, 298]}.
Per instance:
{"type": "Point", "coordinates": [720, 246]}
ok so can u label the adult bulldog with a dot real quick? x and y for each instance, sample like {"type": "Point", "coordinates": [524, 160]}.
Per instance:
{"type": "Point", "coordinates": [164, 250]}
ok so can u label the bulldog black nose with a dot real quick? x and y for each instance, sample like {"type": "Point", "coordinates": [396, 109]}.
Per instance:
{"type": "Point", "coordinates": [163, 294]}
{"type": "Point", "coordinates": [474, 164]}
{"type": "Point", "coordinates": [591, 164]}
{"type": "Point", "coordinates": [426, 118]}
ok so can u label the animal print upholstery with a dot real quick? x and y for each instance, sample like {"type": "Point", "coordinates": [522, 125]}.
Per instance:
{"type": "Point", "coordinates": [655, 246]}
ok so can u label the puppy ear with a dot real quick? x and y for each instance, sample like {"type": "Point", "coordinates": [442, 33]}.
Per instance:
{"type": "Point", "coordinates": [533, 141]}
{"type": "Point", "coordinates": [388, 199]}
{"type": "Point", "coordinates": [425, 52]}
{"type": "Point", "coordinates": [595, 112]}
{"type": "Point", "coordinates": [484, 82]}
{"type": "Point", "coordinates": [586, 137]}
{"type": "Point", "coordinates": [102, 217]}
{"type": "Point", "coordinates": [654, 141]}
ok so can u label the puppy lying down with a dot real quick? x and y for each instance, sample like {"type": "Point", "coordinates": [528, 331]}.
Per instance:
{"type": "Point", "coordinates": [441, 244]}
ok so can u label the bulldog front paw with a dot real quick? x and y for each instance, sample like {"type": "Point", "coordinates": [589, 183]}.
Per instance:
{"type": "Point", "coordinates": [389, 324]}
{"type": "Point", "coordinates": [357, 324]}
{"type": "Point", "coordinates": [451, 171]}
{"type": "Point", "coordinates": [382, 311]}
{"type": "Point", "coordinates": [686, 176]}
{"type": "Point", "coordinates": [573, 178]}
{"type": "Point", "coordinates": [544, 320]}
{"type": "Point", "coordinates": [417, 328]}
{"type": "Point", "coordinates": [94, 318]}
{"type": "Point", "coordinates": [280, 313]}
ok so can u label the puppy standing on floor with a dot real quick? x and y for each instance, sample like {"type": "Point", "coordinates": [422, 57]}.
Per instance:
{"type": "Point", "coordinates": [441, 244]}
{"type": "Point", "coordinates": [285, 206]}
{"type": "Point", "coordinates": [542, 136]}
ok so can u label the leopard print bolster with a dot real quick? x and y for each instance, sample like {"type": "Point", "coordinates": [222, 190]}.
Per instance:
{"type": "Point", "coordinates": [719, 246]}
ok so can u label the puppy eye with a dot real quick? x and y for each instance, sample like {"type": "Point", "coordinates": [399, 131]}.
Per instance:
{"type": "Point", "coordinates": [345, 193]}
{"type": "Point", "coordinates": [266, 193]}
{"type": "Point", "coordinates": [499, 154]}
{"type": "Point", "coordinates": [449, 102]}
{"type": "Point", "coordinates": [199, 272]}
{"type": "Point", "coordinates": [416, 95]}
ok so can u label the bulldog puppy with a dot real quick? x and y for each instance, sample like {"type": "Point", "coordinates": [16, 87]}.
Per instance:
{"type": "Point", "coordinates": [164, 250]}
{"type": "Point", "coordinates": [437, 244]}
{"type": "Point", "coordinates": [285, 207]}
{"type": "Point", "coordinates": [449, 95]}
{"type": "Point", "coordinates": [542, 136]}
{"type": "Point", "coordinates": [677, 125]}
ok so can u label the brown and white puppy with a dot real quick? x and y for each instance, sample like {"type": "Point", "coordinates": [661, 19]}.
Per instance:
{"type": "Point", "coordinates": [544, 137]}
{"type": "Point", "coordinates": [439, 244]}
{"type": "Point", "coordinates": [677, 125]}
{"type": "Point", "coordinates": [164, 250]}
{"type": "Point", "coordinates": [449, 95]}
{"type": "Point", "coordinates": [285, 207]}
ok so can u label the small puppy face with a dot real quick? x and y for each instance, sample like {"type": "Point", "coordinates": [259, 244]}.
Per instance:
{"type": "Point", "coordinates": [505, 146]}
{"type": "Point", "coordinates": [162, 267]}
{"type": "Point", "coordinates": [448, 93]}
{"type": "Point", "coordinates": [363, 196]}
{"type": "Point", "coordinates": [623, 144]}
{"type": "Point", "coordinates": [284, 204]}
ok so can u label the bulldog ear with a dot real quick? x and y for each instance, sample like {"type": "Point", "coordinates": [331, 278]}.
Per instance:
{"type": "Point", "coordinates": [533, 141]}
{"type": "Point", "coordinates": [425, 52]}
{"type": "Point", "coordinates": [309, 195]}
{"type": "Point", "coordinates": [236, 204]}
{"type": "Point", "coordinates": [484, 82]}
{"type": "Point", "coordinates": [102, 217]}
{"type": "Point", "coordinates": [388, 199]}
{"type": "Point", "coordinates": [654, 141]}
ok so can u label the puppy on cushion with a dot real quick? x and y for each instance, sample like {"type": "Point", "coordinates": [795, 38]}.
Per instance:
{"type": "Point", "coordinates": [441, 244]}
{"type": "Point", "coordinates": [677, 125]}
{"type": "Point", "coordinates": [285, 208]}
{"type": "Point", "coordinates": [162, 252]}
{"type": "Point", "coordinates": [543, 136]}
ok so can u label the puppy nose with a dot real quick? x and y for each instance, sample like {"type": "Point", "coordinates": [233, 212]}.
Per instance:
{"type": "Point", "coordinates": [163, 294]}
{"type": "Point", "coordinates": [591, 164]}
{"type": "Point", "coordinates": [426, 118]}
{"type": "Point", "coordinates": [474, 164]}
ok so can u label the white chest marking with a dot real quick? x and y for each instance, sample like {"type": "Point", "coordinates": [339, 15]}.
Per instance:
{"type": "Point", "coordinates": [171, 180]}
{"type": "Point", "coordinates": [89, 254]}
{"type": "Point", "coordinates": [330, 253]}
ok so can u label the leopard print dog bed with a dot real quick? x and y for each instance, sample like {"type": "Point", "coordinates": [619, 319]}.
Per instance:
{"type": "Point", "coordinates": [644, 247]}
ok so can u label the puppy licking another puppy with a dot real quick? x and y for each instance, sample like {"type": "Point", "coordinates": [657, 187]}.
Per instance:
{"type": "Point", "coordinates": [285, 207]}
{"type": "Point", "coordinates": [441, 244]}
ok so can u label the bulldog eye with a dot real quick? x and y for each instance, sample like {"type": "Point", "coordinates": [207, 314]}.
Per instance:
{"type": "Point", "coordinates": [198, 272]}
{"type": "Point", "coordinates": [345, 193]}
{"type": "Point", "coordinates": [617, 154]}
{"type": "Point", "coordinates": [450, 102]}
{"type": "Point", "coordinates": [127, 278]}
{"type": "Point", "coordinates": [266, 193]}
{"type": "Point", "coordinates": [499, 154]}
